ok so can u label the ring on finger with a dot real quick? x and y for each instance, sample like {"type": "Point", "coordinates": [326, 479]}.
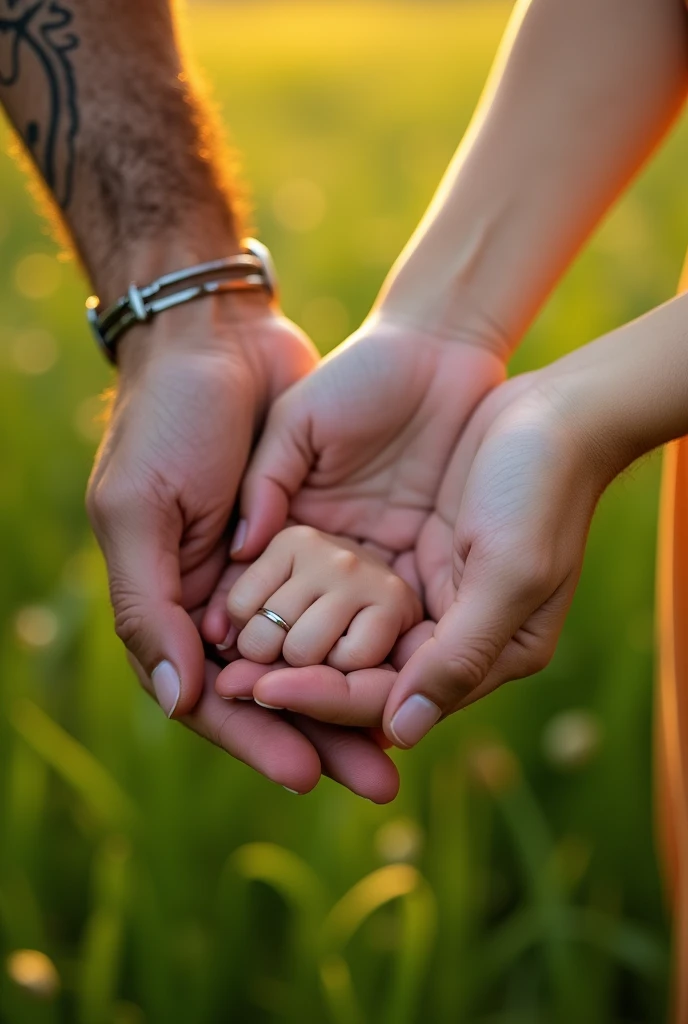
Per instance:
{"type": "Point", "coordinates": [267, 613]}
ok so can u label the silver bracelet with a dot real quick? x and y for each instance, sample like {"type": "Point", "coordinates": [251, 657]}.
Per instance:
{"type": "Point", "coordinates": [251, 270]}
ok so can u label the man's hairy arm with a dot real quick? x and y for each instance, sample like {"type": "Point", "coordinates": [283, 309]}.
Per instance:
{"type": "Point", "coordinates": [104, 102]}
{"type": "Point", "coordinates": [108, 112]}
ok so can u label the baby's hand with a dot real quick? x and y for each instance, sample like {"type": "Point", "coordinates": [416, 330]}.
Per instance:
{"type": "Point", "coordinates": [344, 606]}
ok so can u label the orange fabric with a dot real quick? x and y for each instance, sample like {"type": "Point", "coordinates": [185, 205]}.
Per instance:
{"type": "Point", "coordinates": [672, 711]}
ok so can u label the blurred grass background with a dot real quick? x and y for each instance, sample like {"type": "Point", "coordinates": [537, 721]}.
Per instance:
{"type": "Point", "coordinates": [514, 879]}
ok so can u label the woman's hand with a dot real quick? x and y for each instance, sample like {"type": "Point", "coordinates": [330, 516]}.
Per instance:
{"type": "Point", "coordinates": [515, 507]}
{"type": "Point", "coordinates": [359, 447]}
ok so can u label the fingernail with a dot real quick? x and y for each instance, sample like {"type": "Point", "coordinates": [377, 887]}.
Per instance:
{"type": "Point", "coordinates": [167, 686]}
{"type": "Point", "coordinates": [229, 640]}
{"type": "Point", "coordinates": [414, 719]}
{"type": "Point", "coordinates": [271, 707]}
{"type": "Point", "coordinates": [294, 791]}
{"type": "Point", "coordinates": [239, 537]}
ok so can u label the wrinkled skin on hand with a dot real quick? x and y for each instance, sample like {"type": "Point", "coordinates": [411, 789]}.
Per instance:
{"type": "Point", "coordinates": [166, 475]}
{"type": "Point", "coordinates": [498, 561]}
{"type": "Point", "coordinates": [360, 448]}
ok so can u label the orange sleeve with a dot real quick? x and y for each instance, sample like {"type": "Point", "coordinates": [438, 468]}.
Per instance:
{"type": "Point", "coordinates": [672, 707]}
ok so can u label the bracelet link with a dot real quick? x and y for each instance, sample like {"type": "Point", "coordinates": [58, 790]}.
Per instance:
{"type": "Point", "coordinates": [136, 303]}
{"type": "Point", "coordinates": [251, 270]}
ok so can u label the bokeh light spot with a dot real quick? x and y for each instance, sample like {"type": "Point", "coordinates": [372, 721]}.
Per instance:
{"type": "Point", "coordinates": [571, 739]}
{"type": "Point", "coordinates": [399, 840]}
{"type": "Point", "coordinates": [34, 351]}
{"type": "Point", "coordinates": [36, 625]}
{"type": "Point", "coordinates": [299, 204]}
{"type": "Point", "coordinates": [37, 276]}
{"type": "Point", "coordinates": [34, 972]}
{"type": "Point", "coordinates": [493, 766]}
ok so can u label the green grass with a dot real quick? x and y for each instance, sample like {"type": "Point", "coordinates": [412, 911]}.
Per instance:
{"type": "Point", "coordinates": [169, 883]}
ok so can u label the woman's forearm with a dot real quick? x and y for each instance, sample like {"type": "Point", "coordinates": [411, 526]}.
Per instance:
{"type": "Point", "coordinates": [104, 104]}
{"type": "Point", "coordinates": [626, 393]}
{"type": "Point", "coordinates": [580, 94]}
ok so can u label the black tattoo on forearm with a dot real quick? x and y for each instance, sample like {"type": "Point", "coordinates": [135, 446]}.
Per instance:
{"type": "Point", "coordinates": [35, 47]}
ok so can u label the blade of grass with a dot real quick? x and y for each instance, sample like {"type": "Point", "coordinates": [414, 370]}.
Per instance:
{"type": "Point", "coordinates": [102, 943]}
{"type": "Point", "coordinates": [304, 894]}
{"type": "Point", "coordinates": [395, 881]}
{"type": "Point", "coordinates": [104, 796]}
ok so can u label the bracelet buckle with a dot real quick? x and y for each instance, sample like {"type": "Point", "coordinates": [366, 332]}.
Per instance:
{"type": "Point", "coordinates": [250, 270]}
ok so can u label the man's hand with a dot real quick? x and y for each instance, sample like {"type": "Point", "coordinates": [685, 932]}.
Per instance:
{"type": "Point", "coordinates": [194, 389]}
{"type": "Point", "coordinates": [290, 750]}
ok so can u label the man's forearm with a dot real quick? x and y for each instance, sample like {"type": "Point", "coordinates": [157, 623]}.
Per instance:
{"type": "Point", "coordinates": [581, 93]}
{"type": "Point", "coordinates": [100, 96]}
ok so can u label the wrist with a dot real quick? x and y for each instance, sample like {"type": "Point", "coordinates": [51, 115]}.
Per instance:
{"type": "Point", "coordinates": [145, 260]}
{"type": "Point", "coordinates": [426, 292]}
{"type": "Point", "coordinates": [213, 325]}
{"type": "Point", "coordinates": [627, 393]}
{"type": "Point", "coordinates": [212, 299]}
{"type": "Point", "coordinates": [592, 413]}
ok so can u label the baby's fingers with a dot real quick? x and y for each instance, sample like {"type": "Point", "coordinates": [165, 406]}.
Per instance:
{"type": "Point", "coordinates": [369, 639]}
{"type": "Point", "coordinates": [237, 680]}
{"type": "Point", "coordinates": [325, 694]}
{"type": "Point", "coordinates": [261, 579]}
{"type": "Point", "coordinates": [262, 639]}
{"type": "Point", "coordinates": [318, 630]}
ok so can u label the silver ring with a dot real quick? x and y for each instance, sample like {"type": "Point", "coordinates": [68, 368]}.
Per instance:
{"type": "Point", "coordinates": [274, 617]}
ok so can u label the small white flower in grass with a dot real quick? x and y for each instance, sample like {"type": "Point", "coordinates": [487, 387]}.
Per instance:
{"type": "Point", "coordinates": [34, 972]}
{"type": "Point", "coordinates": [399, 840]}
{"type": "Point", "coordinates": [571, 739]}
{"type": "Point", "coordinates": [36, 625]}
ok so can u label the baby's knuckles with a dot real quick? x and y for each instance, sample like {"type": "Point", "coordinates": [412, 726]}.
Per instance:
{"type": "Point", "coordinates": [256, 646]}
{"type": "Point", "coordinates": [298, 539]}
{"type": "Point", "coordinates": [398, 594]}
{"type": "Point", "coordinates": [242, 603]}
{"type": "Point", "coordinates": [345, 563]}
{"type": "Point", "coordinates": [298, 653]}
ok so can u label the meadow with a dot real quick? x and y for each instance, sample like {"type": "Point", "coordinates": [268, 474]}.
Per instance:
{"type": "Point", "coordinates": [514, 879]}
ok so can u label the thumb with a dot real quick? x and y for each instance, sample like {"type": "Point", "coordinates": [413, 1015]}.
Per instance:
{"type": "Point", "coordinates": [466, 643]}
{"type": "Point", "coordinates": [278, 467]}
{"type": "Point", "coordinates": [141, 542]}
